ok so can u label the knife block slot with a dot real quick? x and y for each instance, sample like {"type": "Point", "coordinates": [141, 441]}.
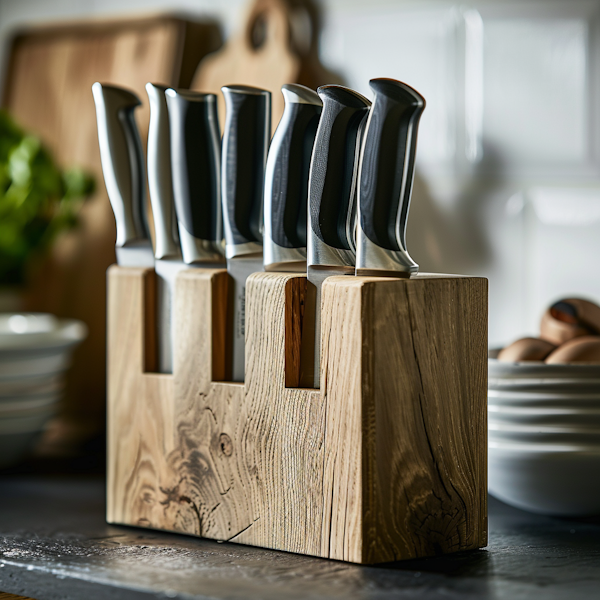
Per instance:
{"type": "Point", "coordinates": [150, 355]}
{"type": "Point", "coordinates": [387, 461]}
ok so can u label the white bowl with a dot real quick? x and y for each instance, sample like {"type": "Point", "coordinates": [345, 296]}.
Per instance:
{"type": "Point", "coordinates": [547, 479]}
{"type": "Point", "coordinates": [19, 406]}
{"type": "Point", "coordinates": [536, 373]}
{"type": "Point", "coordinates": [552, 416]}
{"type": "Point", "coordinates": [544, 386]}
{"type": "Point", "coordinates": [574, 399]}
{"type": "Point", "coordinates": [28, 422]}
{"type": "Point", "coordinates": [542, 434]}
{"type": "Point", "coordinates": [37, 331]}
{"type": "Point", "coordinates": [33, 344]}
{"type": "Point", "coordinates": [536, 383]}
{"type": "Point", "coordinates": [35, 351]}
{"type": "Point", "coordinates": [33, 364]}
{"type": "Point", "coordinates": [32, 385]}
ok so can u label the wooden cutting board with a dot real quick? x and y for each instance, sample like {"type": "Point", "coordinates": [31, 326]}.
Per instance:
{"type": "Point", "coordinates": [48, 90]}
{"type": "Point", "coordinates": [276, 44]}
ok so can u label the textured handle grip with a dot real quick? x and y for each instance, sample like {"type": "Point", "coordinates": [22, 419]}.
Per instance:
{"type": "Point", "coordinates": [334, 166]}
{"type": "Point", "coordinates": [122, 160]}
{"type": "Point", "coordinates": [286, 186]}
{"type": "Point", "coordinates": [245, 145]}
{"type": "Point", "coordinates": [195, 161]}
{"type": "Point", "coordinates": [159, 175]}
{"type": "Point", "coordinates": [387, 168]}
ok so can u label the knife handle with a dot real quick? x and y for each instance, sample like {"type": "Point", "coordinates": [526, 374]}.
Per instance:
{"type": "Point", "coordinates": [159, 175]}
{"type": "Point", "coordinates": [386, 177]}
{"type": "Point", "coordinates": [334, 173]}
{"type": "Point", "coordinates": [195, 164]}
{"type": "Point", "coordinates": [286, 183]}
{"type": "Point", "coordinates": [122, 160]}
{"type": "Point", "coordinates": [245, 145]}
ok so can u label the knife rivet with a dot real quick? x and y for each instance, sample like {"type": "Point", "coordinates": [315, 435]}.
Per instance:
{"type": "Point", "coordinates": [226, 444]}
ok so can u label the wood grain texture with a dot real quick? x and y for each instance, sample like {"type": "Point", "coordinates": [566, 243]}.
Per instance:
{"type": "Point", "coordinates": [386, 462]}
{"type": "Point", "coordinates": [47, 89]}
{"type": "Point", "coordinates": [295, 301]}
{"type": "Point", "coordinates": [140, 406]}
{"type": "Point", "coordinates": [424, 382]}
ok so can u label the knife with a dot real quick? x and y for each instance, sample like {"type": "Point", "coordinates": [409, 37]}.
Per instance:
{"type": "Point", "coordinates": [166, 243]}
{"type": "Point", "coordinates": [331, 208]}
{"type": "Point", "coordinates": [123, 168]}
{"type": "Point", "coordinates": [186, 161]}
{"type": "Point", "coordinates": [387, 168]}
{"type": "Point", "coordinates": [244, 154]}
{"type": "Point", "coordinates": [286, 180]}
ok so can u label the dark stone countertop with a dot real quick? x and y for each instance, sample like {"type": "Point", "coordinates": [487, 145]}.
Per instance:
{"type": "Point", "coordinates": [55, 544]}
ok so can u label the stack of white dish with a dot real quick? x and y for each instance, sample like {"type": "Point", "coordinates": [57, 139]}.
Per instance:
{"type": "Point", "coordinates": [35, 352]}
{"type": "Point", "coordinates": [544, 436]}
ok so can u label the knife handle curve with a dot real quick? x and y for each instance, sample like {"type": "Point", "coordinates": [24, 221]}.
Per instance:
{"type": "Point", "coordinates": [244, 154]}
{"type": "Point", "coordinates": [386, 176]}
{"type": "Point", "coordinates": [195, 164]}
{"type": "Point", "coordinates": [334, 166]}
{"type": "Point", "coordinates": [159, 175]}
{"type": "Point", "coordinates": [122, 160]}
{"type": "Point", "coordinates": [288, 163]}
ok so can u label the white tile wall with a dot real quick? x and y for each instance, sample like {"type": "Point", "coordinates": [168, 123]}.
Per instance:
{"type": "Point", "coordinates": [508, 179]}
{"type": "Point", "coordinates": [414, 45]}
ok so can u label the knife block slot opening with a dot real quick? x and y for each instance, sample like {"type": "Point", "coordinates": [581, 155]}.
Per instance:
{"type": "Point", "coordinates": [221, 339]}
{"type": "Point", "coordinates": [295, 356]}
{"type": "Point", "coordinates": [150, 353]}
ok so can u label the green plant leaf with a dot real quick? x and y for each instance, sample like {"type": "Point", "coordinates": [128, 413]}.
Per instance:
{"type": "Point", "coordinates": [38, 200]}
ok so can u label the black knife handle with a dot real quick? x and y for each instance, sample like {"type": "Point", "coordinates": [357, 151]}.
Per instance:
{"type": "Point", "coordinates": [244, 154]}
{"type": "Point", "coordinates": [289, 163]}
{"type": "Point", "coordinates": [195, 163]}
{"type": "Point", "coordinates": [333, 172]}
{"type": "Point", "coordinates": [387, 164]}
{"type": "Point", "coordinates": [122, 160]}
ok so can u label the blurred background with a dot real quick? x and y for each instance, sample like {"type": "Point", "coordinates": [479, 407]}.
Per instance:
{"type": "Point", "coordinates": [508, 172]}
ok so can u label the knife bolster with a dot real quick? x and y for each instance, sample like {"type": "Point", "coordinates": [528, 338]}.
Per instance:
{"type": "Point", "coordinates": [388, 461]}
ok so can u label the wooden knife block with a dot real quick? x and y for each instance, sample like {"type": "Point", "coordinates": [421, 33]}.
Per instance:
{"type": "Point", "coordinates": [387, 462]}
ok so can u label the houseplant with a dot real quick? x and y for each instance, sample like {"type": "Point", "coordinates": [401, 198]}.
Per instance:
{"type": "Point", "coordinates": [38, 201]}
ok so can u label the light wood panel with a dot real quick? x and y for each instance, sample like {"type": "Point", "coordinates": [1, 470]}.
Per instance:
{"type": "Point", "coordinates": [140, 406]}
{"type": "Point", "coordinates": [386, 462]}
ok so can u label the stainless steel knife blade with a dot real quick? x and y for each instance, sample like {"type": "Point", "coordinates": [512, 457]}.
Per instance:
{"type": "Point", "coordinates": [167, 253]}
{"type": "Point", "coordinates": [286, 180]}
{"type": "Point", "coordinates": [244, 154]}
{"type": "Point", "coordinates": [124, 175]}
{"type": "Point", "coordinates": [387, 168]}
{"type": "Point", "coordinates": [168, 256]}
{"type": "Point", "coordinates": [331, 207]}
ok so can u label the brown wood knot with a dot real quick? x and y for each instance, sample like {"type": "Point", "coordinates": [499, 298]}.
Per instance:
{"type": "Point", "coordinates": [226, 444]}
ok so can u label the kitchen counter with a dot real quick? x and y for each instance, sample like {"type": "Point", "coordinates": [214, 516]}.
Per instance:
{"type": "Point", "coordinates": [55, 544]}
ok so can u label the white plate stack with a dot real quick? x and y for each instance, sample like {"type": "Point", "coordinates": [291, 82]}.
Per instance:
{"type": "Point", "coordinates": [544, 436]}
{"type": "Point", "coordinates": [35, 352]}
